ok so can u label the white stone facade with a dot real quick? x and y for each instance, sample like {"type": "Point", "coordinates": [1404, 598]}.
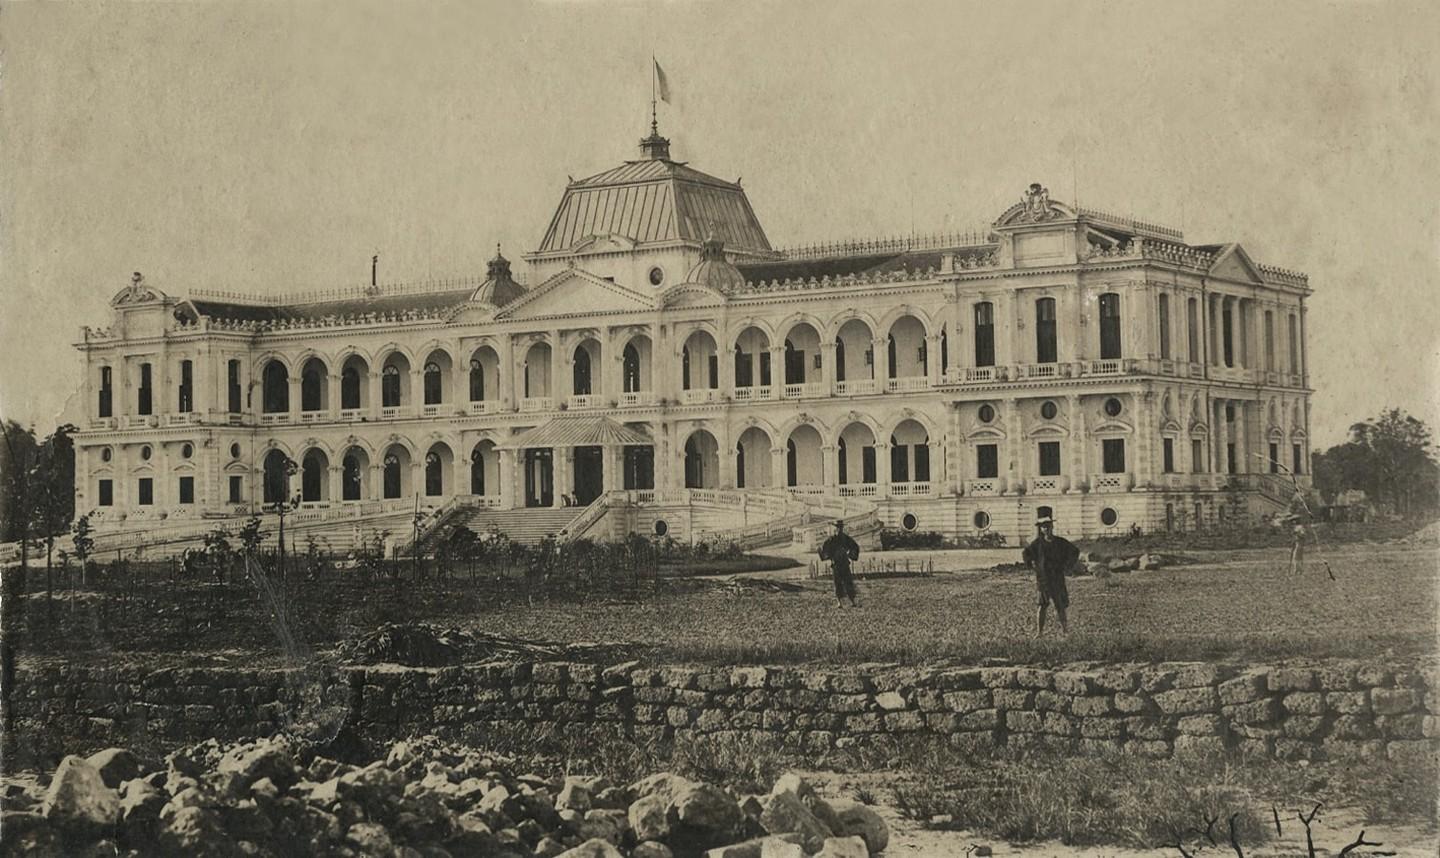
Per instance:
{"type": "Point", "coordinates": [1064, 358]}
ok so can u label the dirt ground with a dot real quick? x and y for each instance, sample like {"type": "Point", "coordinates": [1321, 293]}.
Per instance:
{"type": "Point", "coordinates": [1335, 829]}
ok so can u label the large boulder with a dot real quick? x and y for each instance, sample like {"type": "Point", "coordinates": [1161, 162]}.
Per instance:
{"type": "Point", "coordinates": [772, 846]}
{"type": "Point", "coordinates": [78, 803]}
{"type": "Point", "coordinates": [703, 816]}
{"type": "Point", "coordinates": [596, 848]}
{"type": "Point", "coordinates": [844, 847]}
{"type": "Point", "coordinates": [264, 759]}
{"type": "Point", "coordinates": [858, 819]}
{"type": "Point", "coordinates": [785, 813]}
{"type": "Point", "coordinates": [118, 765]}
{"type": "Point", "coordinates": [196, 831]}
{"type": "Point", "coordinates": [649, 818]}
{"type": "Point", "coordinates": [792, 782]}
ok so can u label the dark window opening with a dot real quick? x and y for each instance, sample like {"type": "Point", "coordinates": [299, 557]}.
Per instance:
{"type": "Point", "coordinates": [277, 388]}
{"type": "Point", "coordinates": [434, 392]}
{"type": "Point", "coordinates": [794, 364]}
{"type": "Point", "coordinates": [1109, 326]}
{"type": "Point", "coordinates": [107, 493]}
{"type": "Point", "coordinates": [350, 478]}
{"type": "Point", "coordinates": [580, 372]}
{"type": "Point", "coordinates": [1297, 458]}
{"type": "Point", "coordinates": [899, 462]}
{"type": "Point", "coordinates": [186, 399]}
{"type": "Point", "coordinates": [1197, 456]}
{"type": "Point", "coordinates": [434, 475]}
{"type": "Point", "coordinates": [839, 359]}
{"type": "Point", "coordinates": [922, 463]}
{"type": "Point", "coordinates": [144, 402]}
{"type": "Point", "coordinates": [390, 387]}
{"type": "Point", "coordinates": [743, 373]}
{"type": "Point", "coordinates": [187, 490]}
{"type": "Point", "coordinates": [630, 369]}
{"type": "Point", "coordinates": [1168, 455]}
{"type": "Point", "coordinates": [392, 477]}
{"type": "Point", "coordinates": [987, 461]}
{"type": "Point", "coordinates": [985, 334]}
{"type": "Point", "coordinates": [765, 368]}
{"type": "Point", "coordinates": [1049, 458]}
{"type": "Point", "coordinates": [1045, 340]}
{"type": "Point", "coordinates": [477, 381]}
{"type": "Point", "coordinates": [232, 387]}
{"type": "Point", "coordinates": [1230, 458]}
{"type": "Point", "coordinates": [792, 464]}
{"type": "Point", "coordinates": [1112, 452]}
{"type": "Point", "coordinates": [685, 368]}
{"type": "Point", "coordinates": [310, 390]}
{"type": "Point", "coordinates": [867, 464]}
{"type": "Point", "coordinates": [237, 489]}
{"type": "Point", "coordinates": [1227, 333]}
{"type": "Point", "coordinates": [739, 466]}
{"type": "Point", "coordinates": [147, 491]}
{"type": "Point", "coordinates": [1164, 313]}
{"type": "Point", "coordinates": [107, 392]}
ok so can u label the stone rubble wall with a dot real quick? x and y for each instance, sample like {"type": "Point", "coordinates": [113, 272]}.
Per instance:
{"type": "Point", "coordinates": [1287, 711]}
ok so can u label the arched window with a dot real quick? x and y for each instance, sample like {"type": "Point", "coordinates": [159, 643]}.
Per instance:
{"type": "Point", "coordinates": [581, 372]}
{"type": "Point", "coordinates": [899, 462]}
{"type": "Point", "coordinates": [841, 476]}
{"type": "Point", "coordinates": [630, 368]}
{"type": "Point", "coordinates": [984, 334]}
{"type": "Point", "coordinates": [434, 476]}
{"type": "Point", "coordinates": [311, 476]}
{"type": "Point", "coordinates": [278, 468]}
{"type": "Point", "coordinates": [350, 388]}
{"type": "Point", "coordinates": [685, 367]}
{"type": "Point", "coordinates": [1110, 326]}
{"type": "Point", "coordinates": [1045, 348]}
{"type": "Point", "coordinates": [350, 479]}
{"type": "Point", "coordinates": [794, 364]}
{"type": "Point", "coordinates": [277, 388]}
{"type": "Point", "coordinates": [390, 387]}
{"type": "Point", "coordinates": [433, 389]}
{"type": "Point", "coordinates": [392, 476]}
{"type": "Point", "coordinates": [477, 381]}
{"type": "Point", "coordinates": [1163, 309]}
{"type": "Point", "coordinates": [310, 380]}
{"type": "Point", "coordinates": [839, 359]}
{"type": "Point", "coordinates": [739, 466]}
{"type": "Point", "coordinates": [791, 463]}
{"type": "Point", "coordinates": [890, 355]}
{"type": "Point", "coordinates": [477, 473]}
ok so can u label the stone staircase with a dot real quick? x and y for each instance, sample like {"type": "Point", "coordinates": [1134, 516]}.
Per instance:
{"type": "Point", "coordinates": [527, 526]}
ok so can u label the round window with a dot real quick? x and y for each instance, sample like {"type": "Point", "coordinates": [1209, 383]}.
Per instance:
{"type": "Point", "coordinates": [661, 528]}
{"type": "Point", "coordinates": [145, 452]}
{"type": "Point", "coordinates": [982, 520]}
{"type": "Point", "coordinates": [986, 413]}
{"type": "Point", "coordinates": [234, 451]}
{"type": "Point", "coordinates": [1108, 516]}
{"type": "Point", "coordinates": [657, 276]}
{"type": "Point", "coordinates": [1113, 407]}
{"type": "Point", "coordinates": [1048, 410]}
{"type": "Point", "coordinates": [909, 521]}
{"type": "Point", "coordinates": [187, 450]}
{"type": "Point", "coordinates": [106, 454]}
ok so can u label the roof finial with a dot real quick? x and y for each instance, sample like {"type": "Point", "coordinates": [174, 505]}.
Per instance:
{"type": "Point", "coordinates": [655, 147]}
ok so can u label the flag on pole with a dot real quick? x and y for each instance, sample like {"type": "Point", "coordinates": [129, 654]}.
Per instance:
{"type": "Point", "coordinates": [662, 85]}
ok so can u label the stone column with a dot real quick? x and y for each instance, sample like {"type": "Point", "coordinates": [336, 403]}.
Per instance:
{"type": "Point", "coordinates": [293, 385]}
{"type": "Point", "coordinates": [778, 470]}
{"type": "Point", "coordinates": [417, 390]}
{"type": "Point", "coordinates": [932, 359]}
{"type": "Point", "coordinates": [1075, 412]}
{"type": "Point", "coordinates": [957, 339]}
{"type": "Point", "coordinates": [725, 438]}
{"type": "Point", "coordinates": [880, 364]}
{"type": "Point", "coordinates": [827, 367]}
{"type": "Point", "coordinates": [373, 379]}
{"type": "Point", "coordinates": [610, 465]}
{"type": "Point", "coordinates": [828, 475]}
{"type": "Point", "coordinates": [561, 379]}
{"type": "Point", "coordinates": [332, 390]}
{"type": "Point", "coordinates": [507, 477]}
{"type": "Point", "coordinates": [1220, 435]}
{"type": "Point", "coordinates": [955, 453]}
{"type": "Point", "coordinates": [336, 482]}
{"type": "Point", "coordinates": [563, 458]}
{"type": "Point", "coordinates": [1242, 437]}
{"type": "Point", "coordinates": [506, 373]}
{"type": "Point", "coordinates": [1145, 431]}
{"type": "Point", "coordinates": [377, 478]}
{"type": "Point", "coordinates": [777, 367]}
{"type": "Point", "coordinates": [1019, 445]}
{"type": "Point", "coordinates": [458, 396]}
{"type": "Point", "coordinates": [882, 467]}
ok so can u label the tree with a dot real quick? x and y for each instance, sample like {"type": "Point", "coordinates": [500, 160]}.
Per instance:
{"type": "Point", "coordinates": [52, 491]}
{"type": "Point", "coordinates": [1390, 458]}
{"type": "Point", "coordinates": [84, 543]}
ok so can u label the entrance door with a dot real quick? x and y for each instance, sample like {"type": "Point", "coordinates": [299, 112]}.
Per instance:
{"type": "Point", "coordinates": [539, 477]}
{"type": "Point", "coordinates": [589, 474]}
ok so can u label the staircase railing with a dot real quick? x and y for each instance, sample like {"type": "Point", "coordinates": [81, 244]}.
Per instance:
{"type": "Point", "coordinates": [587, 518]}
{"type": "Point", "coordinates": [440, 517]}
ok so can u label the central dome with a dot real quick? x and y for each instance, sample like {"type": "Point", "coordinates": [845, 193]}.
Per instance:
{"type": "Point", "coordinates": [652, 201]}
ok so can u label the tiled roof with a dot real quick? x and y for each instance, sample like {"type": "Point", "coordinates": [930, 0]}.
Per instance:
{"type": "Point", "coordinates": [842, 266]}
{"type": "Point", "coordinates": [424, 302]}
{"type": "Point", "coordinates": [580, 432]}
{"type": "Point", "coordinates": [655, 200]}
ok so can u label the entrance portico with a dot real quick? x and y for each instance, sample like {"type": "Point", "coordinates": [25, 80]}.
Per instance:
{"type": "Point", "coordinates": [572, 461]}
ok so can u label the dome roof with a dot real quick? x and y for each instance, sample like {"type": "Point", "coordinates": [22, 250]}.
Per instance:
{"type": "Point", "coordinates": [714, 270]}
{"type": "Point", "coordinates": [499, 287]}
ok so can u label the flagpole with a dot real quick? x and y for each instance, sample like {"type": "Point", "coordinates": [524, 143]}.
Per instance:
{"type": "Point", "coordinates": [654, 123]}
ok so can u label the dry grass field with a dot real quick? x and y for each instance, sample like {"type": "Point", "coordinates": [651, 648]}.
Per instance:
{"type": "Point", "coordinates": [1232, 605]}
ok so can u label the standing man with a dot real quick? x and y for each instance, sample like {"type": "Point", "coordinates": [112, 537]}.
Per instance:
{"type": "Point", "coordinates": [1051, 557]}
{"type": "Point", "coordinates": [841, 550]}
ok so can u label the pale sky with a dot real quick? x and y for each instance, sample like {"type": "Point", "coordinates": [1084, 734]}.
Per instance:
{"type": "Point", "coordinates": [274, 146]}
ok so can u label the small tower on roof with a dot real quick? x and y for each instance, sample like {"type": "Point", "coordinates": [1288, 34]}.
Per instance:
{"type": "Point", "coordinates": [499, 287]}
{"type": "Point", "coordinates": [655, 147]}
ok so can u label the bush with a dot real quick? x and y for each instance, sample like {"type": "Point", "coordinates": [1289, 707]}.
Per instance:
{"type": "Point", "coordinates": [892, 539]}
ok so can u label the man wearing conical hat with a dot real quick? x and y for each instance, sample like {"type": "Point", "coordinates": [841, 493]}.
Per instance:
{"type": "Point", "coordinates": [1052, 558]}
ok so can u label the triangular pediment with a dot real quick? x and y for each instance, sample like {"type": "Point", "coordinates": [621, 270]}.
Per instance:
{"type": "Point", "coordinates": [1234, 264]}
{"type": "Point", "coordinates": [576, 292]}
{"type": "Point", "coordinates": [691, 295]}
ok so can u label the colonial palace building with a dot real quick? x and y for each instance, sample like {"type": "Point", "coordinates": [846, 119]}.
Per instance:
{"type": "Point", "coordinates": [1064, 360]}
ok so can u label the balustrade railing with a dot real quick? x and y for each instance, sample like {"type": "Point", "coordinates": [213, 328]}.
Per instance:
{"type": "Point", "coordinates": [803, 389]}
{"type": "Point", "coordinates": [350, 415]}
{"type": "Point", "coordinates": [759, 393]}
{"type": "Point", "coordinates": [271, 419]}
{"type": "Point", "coordinates": [862, 490]}
{"type": "Point", "coordinates": [1109, 482]}
{"type": "Point", "coordinates": [312, 416]}
{"type": "Point", "coordinates": [910, 489]}
{"type": "Point", "coordinates": [858, 387]}
{"type": "Point", "coordinates": [1044, 485]}
{"type": "Point", "coordinates": [536, 403]}
{"type": "Point", "coordinates": [431, 410]}
{"type": "Point", "coordinates": [1104, 367]}
{"type": "Point", "coordinates": [699, 396]}
{"type": "Point", "coordinates": [907, 384]}
{"type": "Point", "coordinates": [1197, 370]}
{"type": "Point", "coordinates": [484, 406]}
{"type": "Point", "coordinates": [983, 487]}
{"type": "Point", "coordinates": [979, 373]}
{"type": "Point", "coordinates": [183, 419]}
{"type": "Point", "coordinates": [1038, 370]}
{"type": "Point", "coordinates": [636, 398]}
{"type": "Point", "coordinates": [582, 401]}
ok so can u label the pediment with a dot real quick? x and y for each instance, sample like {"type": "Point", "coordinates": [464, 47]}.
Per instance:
{"type": "Point", "coordinates": [472, 313]}
{"type": "Point", "coordinates": [576, 292]}
{"type": "Point", "coordinates": [1234, 264]}
{"type": "Point", "coordinates": [605, 243]}
{"type": "Point", "coordinates": [691, 295]}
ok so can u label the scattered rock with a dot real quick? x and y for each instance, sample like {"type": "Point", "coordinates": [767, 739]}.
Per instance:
{"type": "Point", "coordinates": [593, 849]}
{"type": "Point", "coordinates": [844, 847]}
{"type": "Point", "coordinates": [78, 802]}
{"type": "Point", "coordinates": [117, 765]}
{"type": "Point", "coordinates": [862, 820]}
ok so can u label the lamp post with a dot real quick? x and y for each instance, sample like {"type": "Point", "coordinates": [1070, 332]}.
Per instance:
{"type": "Point", "coordinates": [288, 467]}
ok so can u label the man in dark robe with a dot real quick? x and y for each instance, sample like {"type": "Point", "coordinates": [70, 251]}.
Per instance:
{"type": "Point", "coordinates": [1052, 558]}
{"type": "Point", "coordinates": [841, 551]}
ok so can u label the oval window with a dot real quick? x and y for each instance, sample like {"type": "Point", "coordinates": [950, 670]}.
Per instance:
{"type": "Point", "coordinates": [909, 521]}
{"type": "Point", "coordinates": [187, 450]}
{"type": "Point", "coordinates": [986, 413]}
{"type": "Point", "coordinates": [657, 276]}
{"type": "Point", "coordinates": [1048, 410]}
{"type": "Point", "coordinates": [145, 452]}
{"type": "Point", "coordinates": [1108, 516]}
{"type": "Point", "coordinates": [106, 454]}
{"type": "Point", "coordinates": [982, 520]}
{"type": "Point", "coordinates": [661, 528]}
{"type": "Point", "coordinates": [234, 451]}
{"type": "Point", "coordinates": [1113, 407]}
